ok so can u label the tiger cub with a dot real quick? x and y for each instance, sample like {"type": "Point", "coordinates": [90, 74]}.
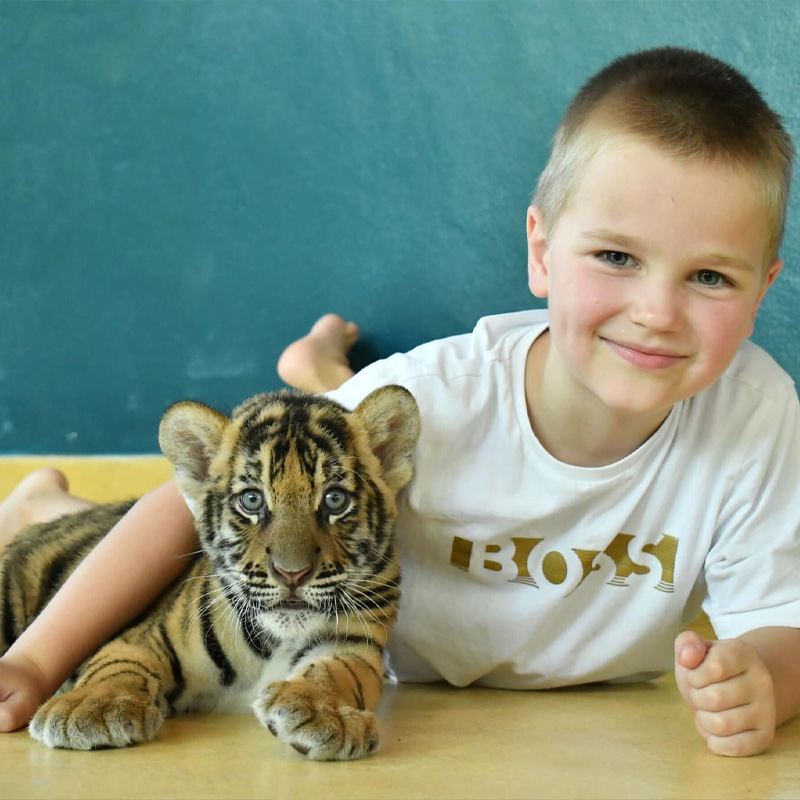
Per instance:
{"type": "Point", "coordinates": [288, 607]}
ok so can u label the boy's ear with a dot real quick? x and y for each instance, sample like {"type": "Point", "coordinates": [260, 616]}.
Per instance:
{"type": "Point", "coordinates": [537, 254]}
{"type": "Point", "coordinates": [772, 274]}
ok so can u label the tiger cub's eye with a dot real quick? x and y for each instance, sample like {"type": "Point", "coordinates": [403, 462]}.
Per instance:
{"type": "Point", "coordinates": [251, 501]}
{"type": "Point", "coordinates": [336, 500]}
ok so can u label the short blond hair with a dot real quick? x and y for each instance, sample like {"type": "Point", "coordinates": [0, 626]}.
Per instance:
{"type": "Point", "coordinates": [687, 103]}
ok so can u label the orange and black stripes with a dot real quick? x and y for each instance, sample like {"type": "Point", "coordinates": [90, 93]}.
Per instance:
{"type": "Point", "coordinates": [291, 570]}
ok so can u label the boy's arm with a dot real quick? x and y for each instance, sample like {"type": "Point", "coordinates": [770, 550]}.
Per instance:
{"type": "Point", "coordinates": [739, 690]}
{"type": "Point", "coordinates": [124, 573]}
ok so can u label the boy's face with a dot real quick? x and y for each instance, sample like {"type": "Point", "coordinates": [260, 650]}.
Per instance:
{"type": "Point", "coordinates": [653, 275]}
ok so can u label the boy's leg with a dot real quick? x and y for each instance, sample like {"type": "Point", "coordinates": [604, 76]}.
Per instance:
{"type": "Point", "coordinates": [39, 497]}
{"type": "Point", "coordinates": [318, 362]}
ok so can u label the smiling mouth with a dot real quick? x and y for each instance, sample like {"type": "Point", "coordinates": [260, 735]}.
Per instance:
{"type": "Point", "coordinates": [645, 359]}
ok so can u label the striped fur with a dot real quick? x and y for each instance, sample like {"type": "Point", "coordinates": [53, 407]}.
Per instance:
{"type": "Point", "coordinates": [290, 604]}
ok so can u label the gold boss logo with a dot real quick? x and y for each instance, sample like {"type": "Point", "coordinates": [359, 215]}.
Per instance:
{"type": "Point", "coordinates": [555, 567]}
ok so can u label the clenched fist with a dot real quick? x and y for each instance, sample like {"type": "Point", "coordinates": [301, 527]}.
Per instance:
{"type": "Point", "coordinates": [729, 690]}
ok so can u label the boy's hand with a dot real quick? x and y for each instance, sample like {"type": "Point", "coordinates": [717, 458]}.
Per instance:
{"type": "Point", "coordinates": [22, 691]}
{"type": "Point", "coordinates": [728, 689]}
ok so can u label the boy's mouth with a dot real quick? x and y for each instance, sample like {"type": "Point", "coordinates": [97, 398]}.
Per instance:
{"type": "Point", "coordinates": [645, 357]}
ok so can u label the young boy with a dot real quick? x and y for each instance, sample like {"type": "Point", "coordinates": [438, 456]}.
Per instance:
{"type": "Point", "coordinates": [588, 475]}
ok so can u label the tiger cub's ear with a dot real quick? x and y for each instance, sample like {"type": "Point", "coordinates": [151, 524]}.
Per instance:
{"type": "Point", "coordinates": [190, 435]}
{"type": "Point", "coordinates": [391, 418]}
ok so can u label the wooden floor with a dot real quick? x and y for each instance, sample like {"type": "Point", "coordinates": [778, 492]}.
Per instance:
{"type": "Point", "coordinates": [437, 742]}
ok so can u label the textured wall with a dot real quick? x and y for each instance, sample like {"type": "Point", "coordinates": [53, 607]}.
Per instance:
{"type": "Point", "coordinates": [185, 187]}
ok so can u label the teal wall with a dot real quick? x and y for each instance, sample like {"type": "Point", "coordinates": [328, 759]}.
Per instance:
{"type": "Point", "coordinates": [186, 186]}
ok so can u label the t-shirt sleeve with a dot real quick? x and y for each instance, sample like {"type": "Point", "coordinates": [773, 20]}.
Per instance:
{"type": "Point", "coordinates": [752, 570]}
{"type": "Point", "coordinates": [380, 373]}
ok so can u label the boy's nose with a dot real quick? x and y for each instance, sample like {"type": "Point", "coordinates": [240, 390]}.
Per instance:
{"type": "Point", "coordinates": [657, 306]}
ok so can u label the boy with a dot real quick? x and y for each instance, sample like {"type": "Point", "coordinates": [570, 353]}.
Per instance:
{"type": "Point", "coordinates": [587, 475]}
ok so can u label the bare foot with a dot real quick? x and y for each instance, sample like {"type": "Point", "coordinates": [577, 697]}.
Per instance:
{"type": "Point", "coordinates": [39, 497]}
{"type": "Point", "coordinates": [318, 362]}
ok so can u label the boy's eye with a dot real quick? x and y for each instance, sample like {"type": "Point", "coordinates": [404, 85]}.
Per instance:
{"type": "Point", "coordinates": [707, 277]}
{"type": "Point", "coordinates": [615, 258]}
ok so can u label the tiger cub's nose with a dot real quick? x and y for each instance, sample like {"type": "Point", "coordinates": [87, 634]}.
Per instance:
{"type": "Point", "coordinates": [292, 579]}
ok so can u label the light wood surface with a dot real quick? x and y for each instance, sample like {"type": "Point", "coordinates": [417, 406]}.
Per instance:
{"type": "Point", "coordinates": [437, 742]}
{"type": "Point", "coordinates": [95, 478]}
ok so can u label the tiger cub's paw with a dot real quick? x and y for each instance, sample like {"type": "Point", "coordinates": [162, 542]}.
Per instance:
{"type": "Point", "coordinates": [86, 718]}
{"type": "Point", "coordinates": [312, 722]}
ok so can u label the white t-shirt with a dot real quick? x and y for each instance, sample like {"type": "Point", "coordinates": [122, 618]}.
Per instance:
{"type": "Point", "coordinates": [520, 571]}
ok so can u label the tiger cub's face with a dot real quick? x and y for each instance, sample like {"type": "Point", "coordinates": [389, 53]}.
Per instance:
{"type": "Point", "coordinates": [295, 500]}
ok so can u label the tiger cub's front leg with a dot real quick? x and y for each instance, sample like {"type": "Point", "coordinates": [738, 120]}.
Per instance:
{"type": "Point", "coordinates": [117, 701]}
{"type": "Point", "coordinates": [325, 709]}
